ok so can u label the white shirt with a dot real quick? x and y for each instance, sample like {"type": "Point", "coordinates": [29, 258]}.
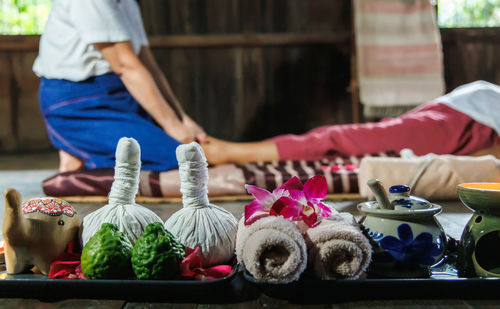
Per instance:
{"type": "Point", "coordinates": [66, 46]}
{"type": "Point", "coordinates": [479, 100]}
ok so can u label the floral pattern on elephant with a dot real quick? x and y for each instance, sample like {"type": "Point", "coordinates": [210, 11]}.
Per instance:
{"type": "Point", "coordinates": [48, 206]}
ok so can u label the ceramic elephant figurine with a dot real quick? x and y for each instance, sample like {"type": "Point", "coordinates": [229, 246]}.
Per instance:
{"type": "Point", "coordinates": [36, 231]}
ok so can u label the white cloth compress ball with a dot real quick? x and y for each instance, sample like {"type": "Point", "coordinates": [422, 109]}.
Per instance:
{"type": "Point", "coordinates": [200, 223]}
{"type": "Point", "coordinates": [122, 210]}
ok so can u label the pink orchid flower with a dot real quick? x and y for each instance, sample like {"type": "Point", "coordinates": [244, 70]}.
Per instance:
{"type": "Point", "coordinates": [263, 202]}
{"type": "Point", "coordinates": [292, 200]}
{"type": "Point", "coordinates": [308, 198]}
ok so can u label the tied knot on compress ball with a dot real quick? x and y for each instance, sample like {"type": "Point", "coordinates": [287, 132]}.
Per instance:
{"type": "Point", "coordinates": [194, 178]}
{"type": "Point", "coordinates": [126, 183]}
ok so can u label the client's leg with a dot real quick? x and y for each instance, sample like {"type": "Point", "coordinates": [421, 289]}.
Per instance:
{"type": "Point", "coordinates": [430, 128]}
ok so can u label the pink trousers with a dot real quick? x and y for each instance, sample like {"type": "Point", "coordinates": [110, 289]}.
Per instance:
{"type": "Point", "coordinates": [432, 127]}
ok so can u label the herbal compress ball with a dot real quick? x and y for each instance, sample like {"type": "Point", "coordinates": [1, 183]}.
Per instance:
{"type": "Point", "coordinates": [122, 210]}
{"type": "Point", "coordinates": [199, 223]}
{"type": "Point", "coordinates": [157, 254]}
{"type": "Point", "coordinates": [107, 254]}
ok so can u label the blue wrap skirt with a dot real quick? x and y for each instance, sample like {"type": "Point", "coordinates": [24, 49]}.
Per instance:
{"type": "Point", "coordinates": [87, 118]}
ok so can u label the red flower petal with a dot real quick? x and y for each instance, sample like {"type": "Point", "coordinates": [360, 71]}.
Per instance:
{"type": "Point", "coordinates": [255, 218]}
{"type": "Point", "coordinates": [299, 196]}
{"type": "Point", "coordinates": [259, 193]}
{"type": "Point", "coordinates": [279, 192]}
{"type": "Point", "coordinates": [286, 207]}
{"type": "Point", "coordinates": [293, 183]}
{"type": "Point", "coordinates": [278, 205]}
{"type": "Point", "coordinates": [191, 260]}
{"type": "Point", "coordinates": [252, 208]}
{"type": "Point", "coordinates": [324, 210]}
{"type": "Point", "coordinates": [191, 268]}
{"type": "Point", "coordinates": [310, 219]}
{"type": "Point", "coordinates": [316, 187]}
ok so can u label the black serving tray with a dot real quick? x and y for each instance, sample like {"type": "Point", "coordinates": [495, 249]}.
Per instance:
{"type": "Point", "coordinates": [310, 290]}
{"type": "Point", "coordinates": [225, 290]}
{"type": "Point", "coordinates": [442, 282]}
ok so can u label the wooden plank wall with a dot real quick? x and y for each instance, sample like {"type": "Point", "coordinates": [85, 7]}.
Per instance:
{"type": "Point", "coordinates": [245, 69]}
{"type": "Point", "coordinates": [471, 54]}
{"type": "Point", "coordinates": [21, 126]}
{"type": "Point", "coordinates": [252, 90]}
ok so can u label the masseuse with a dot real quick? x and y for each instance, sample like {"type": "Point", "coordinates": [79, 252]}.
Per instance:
{"type": "Point", "coordinates": [100, 82]}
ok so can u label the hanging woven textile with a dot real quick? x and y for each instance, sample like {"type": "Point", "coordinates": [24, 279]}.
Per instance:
{"type": "Point", "coordinates": [399, 55]}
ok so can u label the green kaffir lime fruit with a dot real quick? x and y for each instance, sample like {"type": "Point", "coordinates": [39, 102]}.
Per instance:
{"type": "Point", "coordinates": [157, 254]}
{"type": "Point", "coordinates": [107, 254]}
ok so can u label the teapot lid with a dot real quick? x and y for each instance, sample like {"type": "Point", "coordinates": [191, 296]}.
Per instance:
{"type": "Point", "coordinates": [400, 203]}
{"type": "Point", "coordinates": [399, 196]}
{"type": "Point", "coordinates": [399, 189]}
{"type": "Point", "coordinates": [372, 208]}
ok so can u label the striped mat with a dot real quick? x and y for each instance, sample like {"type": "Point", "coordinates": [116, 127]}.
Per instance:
{"type": "Point", "coordinates": [224, 180]}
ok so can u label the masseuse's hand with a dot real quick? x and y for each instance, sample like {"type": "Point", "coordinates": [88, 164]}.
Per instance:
{"type": "Point", "coordinates": [179, 131]}
{"type": "Point", "coordinates": [198, 133]}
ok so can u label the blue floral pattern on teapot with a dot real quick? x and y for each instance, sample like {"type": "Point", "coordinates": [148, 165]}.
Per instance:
{"type": "Point", "coordinates": [409, 250]}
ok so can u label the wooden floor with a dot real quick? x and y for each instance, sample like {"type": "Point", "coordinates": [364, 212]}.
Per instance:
{"type": "Point", "coordinates": [28, 182]}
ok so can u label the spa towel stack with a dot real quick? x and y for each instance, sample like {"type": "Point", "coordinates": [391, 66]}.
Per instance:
{"type": "Point", "coordinates": [272, 249]}
{"type": "Point", "coordinates": [337, 249]}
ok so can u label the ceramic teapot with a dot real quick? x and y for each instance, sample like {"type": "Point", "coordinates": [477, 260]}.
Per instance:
{"type": "Point", "coordinates": [404, 228]}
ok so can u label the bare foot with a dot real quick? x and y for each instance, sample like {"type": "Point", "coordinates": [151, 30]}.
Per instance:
{"type": "Point", "coordinates": [68, 162]}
